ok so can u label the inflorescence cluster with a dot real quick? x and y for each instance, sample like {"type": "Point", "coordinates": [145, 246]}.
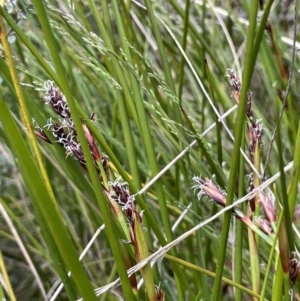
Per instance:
{"type": "Point", "coordinates": [266, 200]}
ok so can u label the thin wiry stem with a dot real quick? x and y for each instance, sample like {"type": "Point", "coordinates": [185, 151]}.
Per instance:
{"type": "Point", "coordinates": [83, 253]}
{"type": "Point", "coordinates": [22, 248]}
{"type": "Point", "coordinates": [228, 37]}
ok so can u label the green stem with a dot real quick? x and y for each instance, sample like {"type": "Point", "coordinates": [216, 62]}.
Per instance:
{"type": "Point", "coordinates": [247, 73]}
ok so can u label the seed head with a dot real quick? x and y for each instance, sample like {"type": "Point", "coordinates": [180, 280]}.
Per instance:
{"type": "Point", "coordinates": [267, 201]}
{"type": "Point", "coordinates": [207, 188]}
{"type": "Point", "coordinates": [263, 224]}
{"type": "Point", "coordinates": [55, 98]}
{"type": "Point", "coordinates": [235, 85]}
{"type": "Point", "coordinates": [255, 134]}
{"type": "Point", "coordinates": [120, 193]}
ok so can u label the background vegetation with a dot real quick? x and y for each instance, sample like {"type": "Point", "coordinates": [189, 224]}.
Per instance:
{"type": "Point", "coordinates": [178, 109]}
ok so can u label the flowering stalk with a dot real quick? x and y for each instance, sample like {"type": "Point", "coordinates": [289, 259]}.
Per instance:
{"type": "Point", "coordinates": [254, 131]}
{"type": "Point", "coordinates": [120, 194]}
{"type": "Point", "coordinates": [254, 135]}
{"type": "Point", "coordinates": [266, 200]}
{"type": "Point", "coordinates": [64, 131]}
{"type": "Point", "coordinates": [118, 216]}
{"type": "Point", "coordinates": [206, 188]}
{"type": "Point", "coordinates": [117, 193]}
{"type": "Point", "coordinates": [209, 189]}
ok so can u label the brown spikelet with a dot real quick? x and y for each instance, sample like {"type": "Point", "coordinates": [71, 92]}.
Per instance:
{"type": "Point", "coordinates": [267, 200]}
{"type": "Point", "coordinates": [91, 142]}
{"type": "Point", "coordinates": [235, 85]}
{"type": "Point", "coordinates": [264, 225]}
{"type": "Point", "coordinates": [56, 100]}
{"type": "Point", "coordinates": [294, 266]}
{"type": "Point", "coordinates": [208, 188]}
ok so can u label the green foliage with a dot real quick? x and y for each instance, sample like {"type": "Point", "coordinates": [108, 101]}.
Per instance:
{"type": "Point", "coordinates": [145, 87]}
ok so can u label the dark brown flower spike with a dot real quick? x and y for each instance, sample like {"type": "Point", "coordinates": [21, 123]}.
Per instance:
{"type": "Point", "coordinates": [294, 266]}
{"type": "Point", "coordinates": [255, 134]}
{"type": "Point", "coordinates": [235, 85]}
{"type": "Point", "coordinates": [56, 100]}
{"type": "Point", "coordinates": [64, 131]}
{"type": "Point", "coordinates": [120, 193]}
